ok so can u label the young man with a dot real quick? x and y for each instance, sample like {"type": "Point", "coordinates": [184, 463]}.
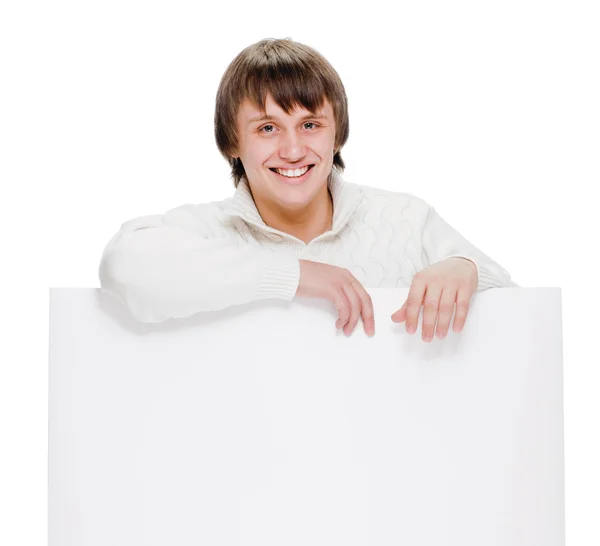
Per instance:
{"type": "Point", "coordinates": [293, 226]}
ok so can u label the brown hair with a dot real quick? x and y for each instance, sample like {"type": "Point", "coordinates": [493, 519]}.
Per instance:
{"type": "Point", "coordinates": [293, 74]}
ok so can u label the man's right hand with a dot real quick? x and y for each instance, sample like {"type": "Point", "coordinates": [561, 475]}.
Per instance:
{"type": "Point", "coordinates": [338, 285]}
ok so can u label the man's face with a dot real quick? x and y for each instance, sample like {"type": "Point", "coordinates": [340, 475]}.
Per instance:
{"type": "Point", "coordinates": [289, 142]}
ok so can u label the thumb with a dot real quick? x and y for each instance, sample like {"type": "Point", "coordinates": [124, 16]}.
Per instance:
{"type": "Point", "coordinates": [400, 315]}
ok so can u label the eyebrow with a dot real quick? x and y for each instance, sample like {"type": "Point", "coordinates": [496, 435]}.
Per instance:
{"type": "Point", "coordinates": [266, 117]}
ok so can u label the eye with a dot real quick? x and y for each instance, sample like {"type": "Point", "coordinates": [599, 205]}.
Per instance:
{"type": "Point", "coordinates": [311, 123]}
{"type": "Point", "coordinates": [264, 127]}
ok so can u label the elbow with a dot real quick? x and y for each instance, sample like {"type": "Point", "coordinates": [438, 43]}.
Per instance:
{"type": "Point", "coordinates": [122, 280]}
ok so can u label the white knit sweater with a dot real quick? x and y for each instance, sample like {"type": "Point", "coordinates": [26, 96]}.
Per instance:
{"type": "Point", "coordinates": [214, 255]}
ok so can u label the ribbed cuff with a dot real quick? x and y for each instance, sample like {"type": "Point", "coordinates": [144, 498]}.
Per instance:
{"type": "Point", "coordinates": [494, 277]}
{"type": "Point", "coordinates": [281, 276]}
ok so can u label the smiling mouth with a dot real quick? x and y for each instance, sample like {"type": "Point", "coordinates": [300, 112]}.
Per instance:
{"type": "Point", "coordinates": [287, 170]}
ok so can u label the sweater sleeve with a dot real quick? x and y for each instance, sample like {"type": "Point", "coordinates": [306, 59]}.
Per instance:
{"type": "Point", "coordinates": [441, 241]}
{"type": "Point", "coordinates": [176, 265]}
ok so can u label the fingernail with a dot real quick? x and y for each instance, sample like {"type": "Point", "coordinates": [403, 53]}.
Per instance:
{"type": "Point", "coordinates": [411, 329]}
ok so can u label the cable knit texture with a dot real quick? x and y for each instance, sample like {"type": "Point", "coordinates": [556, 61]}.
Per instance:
{"type": "Point", "coordinates": [209, 256]}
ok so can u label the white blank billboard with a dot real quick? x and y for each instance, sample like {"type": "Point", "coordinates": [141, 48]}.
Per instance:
{"type": "Point", "coordinates": [263, 425]}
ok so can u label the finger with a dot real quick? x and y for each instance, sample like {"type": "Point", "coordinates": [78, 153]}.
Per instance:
{"type": "Point", "coordinates": [413, 304]}
{"type": "Point", "coordinates": [445, 312]}
{"type": "Point", "coordinates": [463, 300]}
{"type": "Point", "coordinates": [355, 306]}
{"type": "Point", "coordinates": [431, 308]}
{"type": "Point", "coordinates": [367, 311]}
{"type": "Point", "coordinates": [342, 304]}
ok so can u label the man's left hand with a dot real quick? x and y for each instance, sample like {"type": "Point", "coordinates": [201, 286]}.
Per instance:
{"type": "Point", "coordinates": [438, 287]}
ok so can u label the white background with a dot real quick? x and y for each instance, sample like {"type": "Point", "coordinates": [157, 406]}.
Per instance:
{"type": "Point", "coordinates": [489, 111]}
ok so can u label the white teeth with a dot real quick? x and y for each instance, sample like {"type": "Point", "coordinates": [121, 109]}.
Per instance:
{"type": "Point", "coordinates": [292, 173]}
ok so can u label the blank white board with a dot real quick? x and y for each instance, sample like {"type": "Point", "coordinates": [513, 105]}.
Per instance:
{"type": "Point", "coordinates": [263, 425]}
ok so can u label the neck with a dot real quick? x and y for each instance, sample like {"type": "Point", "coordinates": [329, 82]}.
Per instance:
{"type": "Point", "coordinates": [312, 221]}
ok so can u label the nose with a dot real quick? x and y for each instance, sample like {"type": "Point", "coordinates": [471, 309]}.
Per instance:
{"type": "Point", "coordinates": [292, 146]}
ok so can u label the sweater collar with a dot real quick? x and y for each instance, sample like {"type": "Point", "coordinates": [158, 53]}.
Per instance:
{"type": "Point", "coordinates": [346, 198]}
